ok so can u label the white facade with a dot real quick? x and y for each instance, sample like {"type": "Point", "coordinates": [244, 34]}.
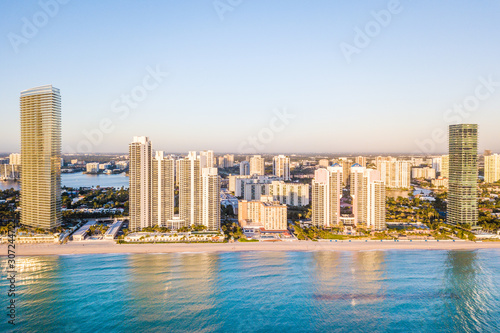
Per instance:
{"type": "Point", "coordinates": [163, 188]}
{"type": "Point", "coordinates": [199, 193]}
{"type": "Point", "coordinates": [140, 203]}
{"type": "Point", "coordinates": [326, 195]}
{"type": "Point", "coordinates": [207, 159]}
{"type": "Point", "coordinates": [292, 194]}
{"type": "Point", "coordinates": [368, 198]}
{"type": "Point", "coordinates": [92, 167]}
{"type": "Point", "coordinates": [210, 199]}
{"type": "Point", "coordinates": [361, 160]}
{"type": "Point", "coordinates": [15, 159]}
{"type": "Point", "coordinates": [281, 167]}
{"type": "Point", "coordinates": [423, 172]}
{"type": "Point", "coordinates": [394, 173]}
{"type": "Point", "coordinates": [245, 168]}
{"type": "Point", "coordinates": [257, 166]}
{"type": "Point", "coordinates": [445, 166]}
{"type": "Point", "coordinates": [492, 168]}
{"type": "Point", "coordinates": [190, 189]}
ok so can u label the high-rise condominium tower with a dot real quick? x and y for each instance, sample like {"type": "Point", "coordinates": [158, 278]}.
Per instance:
{"type": "Point", "coordinates": [207, 159]}
{"type": "Point", "coordinates": [326, 194]}
{"type": "Point", "coordinates": [257, 166]}
{"type": "Point", "coordinates": [395, 173]}
{"type": "Point", "coordinates": [445, 166]}
{"type": "Point", "coordinates": [463, 175]}
{"type": "Point", "coordinates": [199, 197]}
{"type": "Point", "coordinates": [244, 168]}
{"type": "Point", "coordinates": [361, 160]}
{"type": "Point", "coordinates": [359, 193]}
{"type": "Point", "coordinates": [190, 189]}
{"type": "Point", "coordinates": [140, 203]}
{"type": "Point", "coordinates": [281, 166]}
{"type": "Point", "coordinates": [491, 168]}
{"type": "Point", "coordinates": [210, 198]}
{"type": "Point", "coordinates": [163, 188]}
{"type": "Point", "coordinates": [41, 157]}
{"type": "Point", "coordinates": [368, 198]}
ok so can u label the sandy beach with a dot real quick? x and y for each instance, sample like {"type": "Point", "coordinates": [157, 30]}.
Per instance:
{"type": "Point", "coordinates": [101, 247]}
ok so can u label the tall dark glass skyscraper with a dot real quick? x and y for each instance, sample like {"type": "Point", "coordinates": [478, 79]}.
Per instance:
{"type": "Point", "coordinates": [463, 175]}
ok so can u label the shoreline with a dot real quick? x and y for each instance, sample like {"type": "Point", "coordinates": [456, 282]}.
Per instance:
{"type": "Point", "coordinates": [110, 247]}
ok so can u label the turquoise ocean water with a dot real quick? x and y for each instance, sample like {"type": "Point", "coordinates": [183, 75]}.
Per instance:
{"type": "Point", "coordinates": [372, 291]}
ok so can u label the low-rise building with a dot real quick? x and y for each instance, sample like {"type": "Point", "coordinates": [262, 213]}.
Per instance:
{"type": "Point", "coordinates": [269, 215]}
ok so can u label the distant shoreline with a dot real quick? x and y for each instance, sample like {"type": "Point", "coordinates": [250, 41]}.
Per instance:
{"type": "Point", "coordinates": [109, 247]}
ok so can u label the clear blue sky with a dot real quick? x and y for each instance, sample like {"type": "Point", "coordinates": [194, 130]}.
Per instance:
{"type": "Point", "coordinates": [226, 76]}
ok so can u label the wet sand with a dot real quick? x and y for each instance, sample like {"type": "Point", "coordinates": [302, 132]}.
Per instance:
{"type": "Point", "coordinates": [101, 247]}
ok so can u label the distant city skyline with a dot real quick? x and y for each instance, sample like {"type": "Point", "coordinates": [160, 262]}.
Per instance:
{"type": "Point", "coordinates": [205, 78]}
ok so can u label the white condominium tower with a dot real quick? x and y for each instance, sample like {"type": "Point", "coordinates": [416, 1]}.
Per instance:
{"type": "Point", "coordinates": [361, 160]}
{"type": "Point", "coordinates": [210, 198]}
{"type": "Point", "coordinates": [257, 165]}
{"type": "Point", "coordinates": [281, 167]}
{"type": "Point", "coordinates": [376, 205]}
{"type": "Point", "coordinates": [244, 168]}
{"type": "Point", "coordinates": [207, 159]}
{"type": "Point", "coordinates": [395, 173]}
{"type": "Point", "coordinates": [15, 159]}
{"type": "Point", "coordinates": [492, 168]}
{"type": "Point", "coordinates": [140, 169]}
{"type": "Point", "coordinates": [199, 193]}
{"type": "Point", "coordinates": [368, 198]}
{"type": "Point", "coordinates": [445, 166]}
{"type": "Point", "coordinates": [41, 157]}
{"type": "Point", "coordinates": [359, 194]}
{"type": "Point", "coordinates": [163, 188]}
{"type": "Point", "coordinates": [326, 194]}
{"type": "Point", "coordinates": [190, 189]}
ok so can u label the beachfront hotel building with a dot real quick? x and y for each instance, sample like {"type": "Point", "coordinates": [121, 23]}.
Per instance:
{"type": "Point", "coordinates": [163, 188]}
{"type": "Point", "coordinates": [257, 166]}
{"type": "Point", "coordinates": [463, 175]}
{"type": "Point", "coordinates": [326, 194]}
{"type": "Point", "coordinates": [41, 157]}
{"type": "Point", "coordinates": [281, 167]}
{"type": "Point", "coordinates": [491, 168]}
{"type": "Point", "coordinates": [140, 189]}
{"type": "Point", "coordinates": [270, 215]}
